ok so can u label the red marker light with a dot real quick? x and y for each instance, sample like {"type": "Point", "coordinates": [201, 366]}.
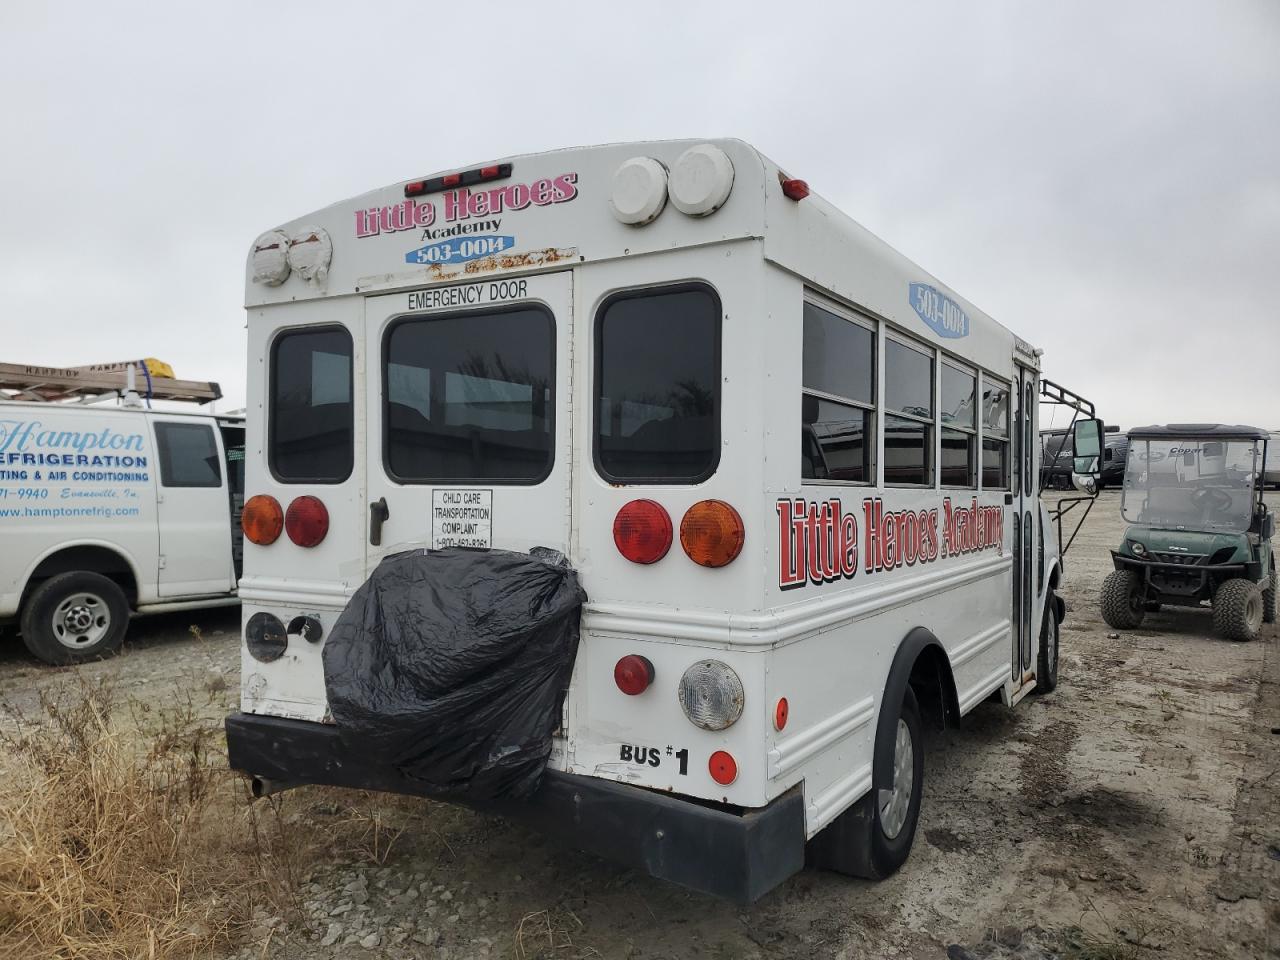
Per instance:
{"type": "Point", "coordinates": [451, 179]}
{"type": "Point", "coordinates": [490, 173]}
{"type": "Point", "coordinates": [795, 189]}
{"type": "Point", "coordinates": [723, 768]}
{"type": "Point", "coordinates": [633, 674]}
{"type": "Point", "coordinates": [780, 713]}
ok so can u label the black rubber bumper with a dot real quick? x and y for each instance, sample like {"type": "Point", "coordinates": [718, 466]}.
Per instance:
{"type": "Point", "coordinates": [736, 856]}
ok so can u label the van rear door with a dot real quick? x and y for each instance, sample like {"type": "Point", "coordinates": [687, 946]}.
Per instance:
{"type": "Point", "coordinates": [468, 416]}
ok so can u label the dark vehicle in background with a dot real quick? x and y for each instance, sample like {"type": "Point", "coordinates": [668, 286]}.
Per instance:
{"type": "Point", "coordinates": [1056, 459]}
{"type": "Point", "coordinates": [1114, 454]}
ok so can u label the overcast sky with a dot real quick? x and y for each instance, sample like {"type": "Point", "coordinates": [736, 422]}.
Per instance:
{"type": "Point", "coordinates": [1103, 178]}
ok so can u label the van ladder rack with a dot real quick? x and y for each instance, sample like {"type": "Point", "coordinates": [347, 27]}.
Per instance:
{"type": "Point", "coordinates": [38, 384]}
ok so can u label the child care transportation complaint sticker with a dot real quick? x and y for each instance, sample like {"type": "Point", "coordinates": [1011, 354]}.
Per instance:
{"type": "Point", "coordinates": [943, 315]}
{"type": "Point", "coordinates": [461, 518]}
{"type": "Point", "coordinates": [460, 249]}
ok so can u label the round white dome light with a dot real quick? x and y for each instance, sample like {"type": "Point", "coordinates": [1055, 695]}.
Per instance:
{"type": "Point", "coordinates": [639, 191]}
{"type": "Point", "coordinates": [701, 180]}
{"type": "Point", "coordinates": [270, 258]}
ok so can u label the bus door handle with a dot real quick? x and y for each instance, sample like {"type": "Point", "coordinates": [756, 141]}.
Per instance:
{"type": "Point", "coordinates": [378, 513]}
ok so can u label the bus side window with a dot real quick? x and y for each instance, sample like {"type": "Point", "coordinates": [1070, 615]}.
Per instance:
{"type": "Point", "coordinates": [995, 435]}
{"type": "Point", "coordinates": [909, 408]}
{"type": "Point", "coordinates": [837, 408]}
{"type": "Point", "coordinates": [959, 427]}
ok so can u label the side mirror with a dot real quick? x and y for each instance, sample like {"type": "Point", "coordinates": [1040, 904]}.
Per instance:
{"type": "Point", "coordinates": [1086, 441]}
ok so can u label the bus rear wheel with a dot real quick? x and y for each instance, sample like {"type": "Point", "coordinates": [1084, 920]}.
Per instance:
{"type": "Point", "coordinates": [1122, 603]}
{"type": "Point", "coordinates": [1047, 661]}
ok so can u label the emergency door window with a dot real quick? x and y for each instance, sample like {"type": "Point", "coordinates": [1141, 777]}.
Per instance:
{"type": "Point", "coordinates": [837, 404]}
{"type": "Point", "coordinates": [995, 435]}
{"type": "Point", "coordinates": [469, 397]}
{"type": "Point", "coordinates": [959, 428]}
{"type": "Point", "coordinates": [908, 421]}
{"type": "Point", "coordinates": [657, 396]}
{"type": "Point", "coordinates": [311, 415]}
{"type": "Point", "coordinates": [188, 455]}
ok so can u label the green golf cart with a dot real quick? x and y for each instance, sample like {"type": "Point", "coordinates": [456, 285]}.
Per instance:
{"type": "Point", "coordinates": [1199, 529]}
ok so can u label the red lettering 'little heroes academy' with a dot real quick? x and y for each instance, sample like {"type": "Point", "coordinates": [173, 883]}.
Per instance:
{"type": "Point", "coordinates": [818, 542]}
{"type": "Point", "coordinates": [464, 203]}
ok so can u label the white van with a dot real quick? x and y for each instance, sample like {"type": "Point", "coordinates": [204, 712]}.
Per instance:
{"type": "Point", "coordinates": [109, 511]}
{"type": "Point", "coordinates": [795, 473]}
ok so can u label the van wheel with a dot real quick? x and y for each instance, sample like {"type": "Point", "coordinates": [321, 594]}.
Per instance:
{"type": "Point", "coordinates": [1237, 610]}
{"type": "Point", "coordinates": [1122, 603]}
{"type": "Point", "coordinates": [74, 617]}
{"type": "Point", "coordinates": [873, 837]}
{"type": "Point", "coordinates": [1047, 661]}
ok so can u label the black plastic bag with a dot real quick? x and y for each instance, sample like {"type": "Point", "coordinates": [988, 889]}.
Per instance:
{"type": "Point", "coordinates": [451, 665]}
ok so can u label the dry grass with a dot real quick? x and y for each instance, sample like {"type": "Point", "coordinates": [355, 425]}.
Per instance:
{"type": "Point", "coordinates": [123, 834]}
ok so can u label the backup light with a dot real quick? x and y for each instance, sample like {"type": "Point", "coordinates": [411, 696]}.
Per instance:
{"type": "Point", "coordinates": [642, 531]}
{"type": "Point", "coordinates": [711, 695]}
{"type": "Point", "coordinates": [307, 521]}
{"type": "Point", "coordinates": [261, 520]}
{"type": "Point", "coordinates": [496, 171]}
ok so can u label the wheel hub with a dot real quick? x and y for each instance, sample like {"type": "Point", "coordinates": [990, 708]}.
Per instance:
{"type": "Point", "coordinates": [81, 620]}
{"type": "Point", "coordinates": [895, 803]}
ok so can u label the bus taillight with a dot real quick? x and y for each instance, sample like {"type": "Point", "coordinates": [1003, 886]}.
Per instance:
{"type": "Point", "coordinates": [307, 521]}
{"type": "Point", "coordinates": [712, 533]}
{"type": "Point", "coordinates": [262, 519]}
{"type": "Point", "coordinates": [642, 531]}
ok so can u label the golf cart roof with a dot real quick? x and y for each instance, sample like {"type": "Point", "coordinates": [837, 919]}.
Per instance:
{"type": "Point", "coordinates": [1215, 431]}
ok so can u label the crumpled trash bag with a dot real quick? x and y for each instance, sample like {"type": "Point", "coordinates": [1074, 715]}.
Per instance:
{"type": "Point", "coordinates": [452, 665]}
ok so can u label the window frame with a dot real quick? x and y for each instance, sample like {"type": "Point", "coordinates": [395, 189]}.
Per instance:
{"type": "Point", "coordinates": [597, 365]}
{"type": "Point", "coordinates": [975, 439]}
{"type": "Point", "coordinates": [985, 376]}
{"type": "Point", "coordinates": [273, 353]}
{"type": "Point", "coordinates": [873, 431]}
{"type": "Point", "coordinates": [165, 458]}
{"type": "Point", "coordinates": [931, 422]}
{"type": "Point", "coordinates": [385, 396]}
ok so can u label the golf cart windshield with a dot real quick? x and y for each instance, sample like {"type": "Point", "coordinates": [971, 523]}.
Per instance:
{"type": "Point", "coordinates": [1191, 484]}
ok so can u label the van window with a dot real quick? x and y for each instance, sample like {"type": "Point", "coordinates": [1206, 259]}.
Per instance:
{"type": "Point", "coordinates": [995, 435]}
{"type": "Point", "coordinates": [959, 428]}
{"type": "Point", "coordinates": [657, 386]}
{"type": "Point", "coordinates": [311, 413]}
{"type": "Point", "coordinates": [908, 421]}
{"type": "Point", "coordinates": [470, 397]}
{"type": "Point", "coordinates": [188, 455]}
{"type": "Point", "coordinates": [837, 431]}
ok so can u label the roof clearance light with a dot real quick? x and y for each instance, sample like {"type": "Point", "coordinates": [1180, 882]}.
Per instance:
{"type": "Point", "coordinates": [270, 258]}
{"type": "Point", "coordinates": [701, 180]}
{"type": "Point", "coordinates": [639, 191]}
{"type": "Point", "coordinates": [795, 189]}
{"type": "Point", "coordinates": [723, 768]}
{"type": "Point", "coordinates": [712, 533]}
{"type": "Point", "coordinates": [262, 520]}
{"type": "Point", "coordinates": [633, 674]}
{"type": "Point", "coordinates": [495, 171]}
{"type": "Point", "coordinates": [711, 695]}
{"type": "Point", "coordinates": [642, 531]}
{"type": "Point", "coordinates": [307, 521]}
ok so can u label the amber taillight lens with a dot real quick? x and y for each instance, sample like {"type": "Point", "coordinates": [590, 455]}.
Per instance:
{"type": "Point", "coordinates": [712, 533]}
{"type": "Point", "coordinates": [262, 519]}
{"type": "Point", "coordinates": [307, 521]}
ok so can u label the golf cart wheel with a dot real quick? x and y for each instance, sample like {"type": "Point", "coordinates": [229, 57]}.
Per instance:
{"type": "Point", "coordinates": [1122, 603]}
{"type": "Point", "coordinates": [1237, 610]}
{"type": "Point", "coordinates": [1047, 661]}
{"type": "Point", "coordinates": [74, 617]}
{"type": "Point", "coordinates": [1269, 601]}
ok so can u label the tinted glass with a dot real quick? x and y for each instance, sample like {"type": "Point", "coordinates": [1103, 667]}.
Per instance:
{"type": "Point", "coordinates": [839, 356]}
{"type": "Point", "coordinates": [908, 380]}
{"type": "Point", "coordinates": [908, 445]}
{"type": "Point", "coordinates": [995, 409]}
{"type": "Point", "coordinates": [657, 396]}
{"type": "Point", "coordinates": [958, 456]}
{"type": "Point", "coordinates": [995, 464]}
{"type": "Point", "coordinates": [957, 398]}
{"type": "Point", "coordinates": [835, 441]}
{"type": "Point", "coordinates": [188, 455]}
{"type": "Point", "coordinates": [470, 397]}
{"type": "Point", "coordinates": [311, 409]}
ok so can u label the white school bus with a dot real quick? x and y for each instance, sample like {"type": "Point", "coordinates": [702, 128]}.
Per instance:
{"type": "Point", "coordinates": [795, 473]}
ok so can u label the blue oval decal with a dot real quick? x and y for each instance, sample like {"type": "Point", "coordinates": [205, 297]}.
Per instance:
{"type": "Point", "coordinates": [943, 315]}
{"type": "Point", "coordinates": [460, 249]}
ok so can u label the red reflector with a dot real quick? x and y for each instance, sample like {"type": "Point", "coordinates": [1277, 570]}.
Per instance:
{"type": "Point", "coordinates": [724, 769]}
{"type": "Point", "coordinates": [642, 531]}
{"type": "Point", "coordinates": [780, 714]}
{"type": "Point", "coordinates": [633, 674]}
{"type": "Point", "coordinates": [451, 179]}
{"type": "Point", "coordinates": [795, 189]}
{"type": "Point", "coordinates": [489, 173]}
{"type": "Point", "coordinates": [306, 521]}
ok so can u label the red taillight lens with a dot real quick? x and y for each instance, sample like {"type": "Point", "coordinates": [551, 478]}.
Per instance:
{"type": "Point", "coordinates": [642, 531]}
{"type": "Point", "coordinates": [712, 533]}
{"type": "Point", "coordinates": [261, 519]}
{"type": "Point", "coordinates": [307, 521]}
{"type": "Point", "coordinates": [795, 189]}
{"type": "Point", "coordinates": [724, 769]}
{"type": "Point", "coordinates": [633, 674]}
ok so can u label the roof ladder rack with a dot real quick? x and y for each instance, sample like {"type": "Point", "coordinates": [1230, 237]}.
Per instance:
{"type": "Point", "coordinates": [106, 381]}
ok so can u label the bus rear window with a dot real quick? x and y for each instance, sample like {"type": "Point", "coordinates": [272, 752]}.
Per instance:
{"type": "Point", "coordinates": [469, 397]}
{"type": "Point", "coordinates": [311, 415]}
{"type": "Point", "coordinates": [657, 398]}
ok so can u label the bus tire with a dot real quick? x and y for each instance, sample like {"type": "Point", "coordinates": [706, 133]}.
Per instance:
{"type": "Point", "coordinates": [1237, 610]}
{"type": "Point", "coordinates": [1122, 603]}
{"type": "Point", "coordinates": [75, 617]}
{"type": "Point", "coordinates": [1047, 661]}
{"type": "Point", "coordinates": [873, 838]}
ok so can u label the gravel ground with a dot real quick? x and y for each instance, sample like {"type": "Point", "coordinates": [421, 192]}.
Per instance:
{"type": "Point", "coordinates": [1132, 813]}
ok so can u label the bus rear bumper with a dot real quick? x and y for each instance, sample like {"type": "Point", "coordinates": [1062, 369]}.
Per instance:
{"type": "Point", "coordinates": [736, 856]}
